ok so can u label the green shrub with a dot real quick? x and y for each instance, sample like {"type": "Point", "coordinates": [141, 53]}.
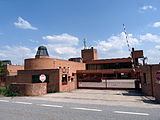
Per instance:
{"type": "Point", "coordinates": [9, 92]}
{"type": "Point", "coordinates": [2, 90]}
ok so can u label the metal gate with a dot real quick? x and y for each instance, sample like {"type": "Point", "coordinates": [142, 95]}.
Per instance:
{"type": "Point", "coordinates": [109, 84]}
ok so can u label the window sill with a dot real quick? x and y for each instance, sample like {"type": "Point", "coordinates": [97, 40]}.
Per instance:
{"type": "Point", "coordinates": [64, 83]}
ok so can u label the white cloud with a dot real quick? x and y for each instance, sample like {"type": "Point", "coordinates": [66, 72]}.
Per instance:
{"type": "Point", "coordinates": [157, 47]}
{"type": "Point", "coordinates": [150, 37]}
{"type": "Point", "coordinates": [33, 41]}
{"type": "Point", "coordinates": [64, 39]}
{"type": "Point", "coordinates": [16, 54]}
{"type": "Point", "coordinates": [24, 24]}
{"type": "Point", "coordinates": [153, 56]}
{"type": "Point", "coordinates": [62, 46]}
{"type": "Point", "coordinates": [60, 50]}
{"type": "Point", "coordinates": [156, 24]}
{"type": "Point", "coordinates": [113, 47]}
{"type": "Point", "coordinates": [116, 46]}
{"type": "Point", "coordinates": [147, 7]}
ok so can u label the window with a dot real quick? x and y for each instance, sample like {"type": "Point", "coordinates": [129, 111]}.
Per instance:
{"type": "Point", "coordinates": [58, 67]}
{"type": "Point", "coordinates": [64, 79]}
{"type": "Point", "coordinates": [144, 77]}
{"type": "Point", "coordinates": [108, 66]}
{"type": "Point", "coordinates": [73, 74]}
{"type": "Point", "coordinates": [87, 67]}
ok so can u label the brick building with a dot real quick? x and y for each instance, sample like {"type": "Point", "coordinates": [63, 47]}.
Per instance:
{"type": "Point", "coordinates": [103, 71]}
{"type": "Point", "coordinates": [89, 54]}
{"type": "Point", "coordinates": [9, 73]}
{"type": "Point", "coordinates": [60, 74]}
{"type": "Point", "coordinates": [150, 80]}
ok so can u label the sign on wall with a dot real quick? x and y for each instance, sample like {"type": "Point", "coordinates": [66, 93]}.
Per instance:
{"type": "Point", "coordinates": [42, 78]}
{"type": "Point", "coordinates": [158, 77]}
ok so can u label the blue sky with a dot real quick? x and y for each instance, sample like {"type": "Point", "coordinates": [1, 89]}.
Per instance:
{"type": "Point", "coordinates": [61, 25]}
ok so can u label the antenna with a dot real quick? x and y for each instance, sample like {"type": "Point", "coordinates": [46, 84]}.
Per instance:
{"type": "Point", "coordinates": [133, 67]}
{"type": "Point", "coordinates": [84, 42]}
{"type": "Point", "coordinates": [144, 59]}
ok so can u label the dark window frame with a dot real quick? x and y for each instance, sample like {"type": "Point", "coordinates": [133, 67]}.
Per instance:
{"type": "Point", "coordinates": [64, 79]}
{"type": "Point", "coordinates": [144, 78]}
{"type": "Point", "coordinates": [35, 78]}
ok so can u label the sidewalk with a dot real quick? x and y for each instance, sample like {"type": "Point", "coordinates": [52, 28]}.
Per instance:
{"type": "Point", "coordinates": [101, 97]}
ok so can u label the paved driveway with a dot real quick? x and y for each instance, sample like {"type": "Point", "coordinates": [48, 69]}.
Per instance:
{"type": "Point", "coordinates": [101, 97]}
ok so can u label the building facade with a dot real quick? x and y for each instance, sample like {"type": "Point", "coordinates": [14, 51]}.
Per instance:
{"type": "Point", "coordinates": [60, 74]}
{"type": "Point", "coordinates": [105, 70]}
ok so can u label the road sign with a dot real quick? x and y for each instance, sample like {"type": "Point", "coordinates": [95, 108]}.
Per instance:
{"type": "Point", "coordinates": [42, 77]}
{"type": "Point", "coordinates": [158, 75]}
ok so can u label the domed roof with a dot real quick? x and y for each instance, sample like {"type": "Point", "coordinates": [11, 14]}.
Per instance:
{"type": "Point", "coordinates": [42, 48]}
{"type": "Point", "coordinates": [42, 51]}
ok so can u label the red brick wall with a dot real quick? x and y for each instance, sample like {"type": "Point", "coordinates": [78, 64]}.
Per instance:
{"type": "Point", "coordinates": [10, 79]}
{"type": "Point", "coordinates": [12, 73]}
{"type": "Point", "coordinates": [35, 64]}
{"type": "Point", "coordinates": [89, 54]}
{"type": "Point", "coordinates": [152, 87]}
{"type": "Point", "coordinates": [29, 89]}
{"type": "Point", "coordinates": [157, 92]}
{"type": "Point", "coordinates": [25, 76]}
{"type": "Point", "coordinates": [117, 60]}
{"type": "Point", "coordinates": [55, 78]}
{"type": "Point", "coordinates": [71, 71]}
{"type": "Point", "coordinates": [71, 85]}
{"type": "Point", "coordinates": [12, 69]}
{"type": "Point", "coordinates": [146, 87]}
{"type": "Point", "coordinates": [73, 66]}
{"type": "Point", "coordinates": [137, 54]}
{"type": "Point", "coordinates": [54, 68]}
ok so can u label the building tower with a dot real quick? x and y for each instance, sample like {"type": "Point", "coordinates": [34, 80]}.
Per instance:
{"type": "Point", "coordinates": [42, 52]}
{"type": "Point", "coordinates": [89, 54]}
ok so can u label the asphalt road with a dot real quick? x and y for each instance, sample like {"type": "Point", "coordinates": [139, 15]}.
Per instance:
{"type": "Point", "coordinates": [31, 109]}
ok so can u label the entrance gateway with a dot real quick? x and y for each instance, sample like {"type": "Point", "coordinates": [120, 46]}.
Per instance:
{"type": "Point", "coordinates": [99, 81]}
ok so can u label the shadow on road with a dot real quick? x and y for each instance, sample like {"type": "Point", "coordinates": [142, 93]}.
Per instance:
{"type": "Point", "coordinates": [133, 93]}
{"type": "Point", "coordinates": [144, 98]}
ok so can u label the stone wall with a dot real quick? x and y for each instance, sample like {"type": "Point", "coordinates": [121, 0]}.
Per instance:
{"type": "Point", "coordinates": [29, 89]}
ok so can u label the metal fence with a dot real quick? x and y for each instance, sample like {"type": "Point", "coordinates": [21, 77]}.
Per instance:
{"type": "Point", "coordinates": [110, 84]}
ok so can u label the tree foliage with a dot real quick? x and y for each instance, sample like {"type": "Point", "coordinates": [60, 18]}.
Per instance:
{"type": "Point", "coordinates": [1, 69]}
{"type": "Point", "coordinates": [3, 72]}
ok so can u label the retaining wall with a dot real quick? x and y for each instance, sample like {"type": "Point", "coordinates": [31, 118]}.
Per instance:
{"type": "Point", "coordinates": [29, 89]}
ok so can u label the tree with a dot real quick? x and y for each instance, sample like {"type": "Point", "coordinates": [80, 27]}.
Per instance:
{"type": "Point", "coordinates": [1, 69]}
{"type": "Point", "coordinates": [3, 72]}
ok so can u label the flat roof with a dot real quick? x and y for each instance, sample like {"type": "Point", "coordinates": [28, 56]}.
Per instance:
{"type": "Point", "coordinates": [114, 60]}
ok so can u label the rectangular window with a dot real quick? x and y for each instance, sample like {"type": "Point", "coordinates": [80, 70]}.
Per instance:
{"type": "Point", "coordinates": [144, 77]}
{"type": "Point", "coordinates": [64, 79]}
{"type": "Point", "coordinates": [73, 74]}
